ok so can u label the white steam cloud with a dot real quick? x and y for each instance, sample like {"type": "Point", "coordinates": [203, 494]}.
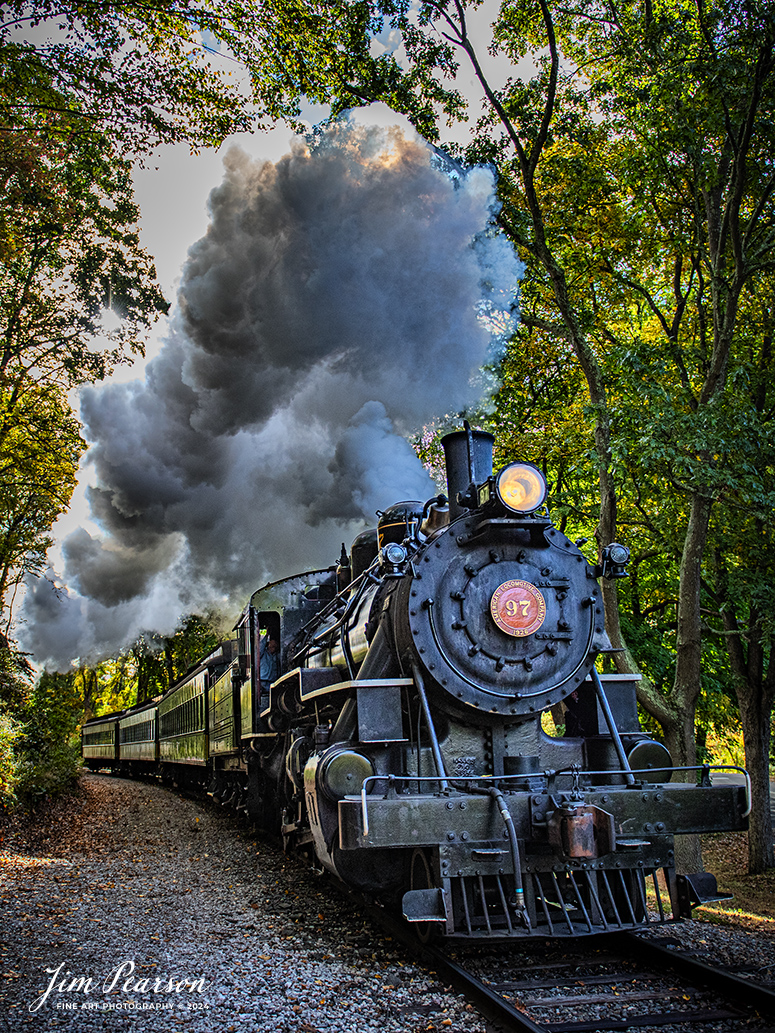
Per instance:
{"type": "Point", "coordinates": [342, 297]}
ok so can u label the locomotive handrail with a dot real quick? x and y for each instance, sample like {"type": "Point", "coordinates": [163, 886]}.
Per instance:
{"type": "Point", "coordinates": [435, 745]}
{"type": "Point", "coordinates": [365, 577]}
{"type": "Point", "coordinates": [391, 779]}
{"type": "Point", "coordinates": [605, 706]}
{"type": "Point", "coordinates": [727, 767]}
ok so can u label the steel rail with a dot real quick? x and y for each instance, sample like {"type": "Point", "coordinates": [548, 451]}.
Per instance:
{"type": "Point", "coordinates": [496, 1008]}
{"type": "Point", "coordinates": [753, 994]}
{"type": "Point", "coordinates": [489, 1003]}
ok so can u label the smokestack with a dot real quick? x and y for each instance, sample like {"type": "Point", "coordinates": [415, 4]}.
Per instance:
{"type": "Point", "coordinates": [468, 458]}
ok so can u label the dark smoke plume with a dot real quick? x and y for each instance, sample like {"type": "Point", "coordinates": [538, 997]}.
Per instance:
{"type": "Point", "coordinates": [341, 298]}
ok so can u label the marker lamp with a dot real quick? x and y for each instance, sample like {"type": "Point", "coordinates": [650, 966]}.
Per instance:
{"type": "Point", "coordinates": [521, 487]}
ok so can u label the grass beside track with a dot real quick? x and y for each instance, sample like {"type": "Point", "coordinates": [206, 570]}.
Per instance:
{"type": "Point", "coordinates": [753, 907]}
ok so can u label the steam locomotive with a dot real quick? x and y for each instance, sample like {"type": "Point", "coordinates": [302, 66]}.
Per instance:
{"type": "Point", "coordinates": [400, 742]}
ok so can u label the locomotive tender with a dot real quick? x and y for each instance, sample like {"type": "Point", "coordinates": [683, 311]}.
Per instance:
{"type": "Point", "coordinates": [401, 743]}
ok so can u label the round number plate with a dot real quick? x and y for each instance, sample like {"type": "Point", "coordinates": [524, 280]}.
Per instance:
{"type": "Point", "coordinates": [518, 608]}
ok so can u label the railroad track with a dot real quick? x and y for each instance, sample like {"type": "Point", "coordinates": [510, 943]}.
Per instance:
{"type": "Point", "coordinates": [624, 982]}
{"type": "Point", "coordinates": [619, 982]}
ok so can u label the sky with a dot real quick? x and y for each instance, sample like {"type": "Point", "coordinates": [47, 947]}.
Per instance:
{"type": "Point", "coordinates": [172, 195]}
{"type": "Point", "coordinates": [172, 192]}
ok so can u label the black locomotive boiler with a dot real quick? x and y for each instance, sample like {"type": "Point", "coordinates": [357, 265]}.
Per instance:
{"type": "Point", "coordinates": [400, 741]}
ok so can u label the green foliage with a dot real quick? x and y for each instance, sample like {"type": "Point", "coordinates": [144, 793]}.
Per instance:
{"type": "Point", "coordinates": [39, 744]}
{"type": "Point", "coordinates": [10, 733]}
{"type": "Point", "coordinates": [69, 248]}
{"type": "Point", "coordinates": [15, 680]}
{"type": "Point", "coordinates": [133, 73]}
{"type": "Point", "coordinates": [146, 669]}
{"type": "Point", "coordinates": [50, 745]}
{"type": "Point", "coordinates": [84, 89]}
{"type": "Point", "coordinates": [637, 177]}
{"type": "Point", "coordinates": [331, 52]}
{"type": "Point", "coordinates": [40, 720]}
{"type": "Point", "coordinates": [540, 415]}
{"type": "Point", "coordinates": [39, 454]}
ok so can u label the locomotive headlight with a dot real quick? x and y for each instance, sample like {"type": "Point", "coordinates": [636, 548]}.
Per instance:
{"type": "Point", "coordinates": [615, 558]}
{"type": "Point", "coordinates": [394, 554]}
{"type": "Point", "coordinates": [393, 558]}
{"type": "Point", "coordinates": [521, 487]}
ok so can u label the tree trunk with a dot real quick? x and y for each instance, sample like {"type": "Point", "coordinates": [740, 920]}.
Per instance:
{"type": "Point", "coordinates": [143, 678]}
{"type": "Point", "coordinates": [169, 663]}
{"type": "Point", "coordinates": [755, 713]}
{"type": "Point", "coordinates": [680, 736]}
{"type": "Point", "coordinates": [754, 680]}
{"type": "Point", "coordinates": [90, 690]}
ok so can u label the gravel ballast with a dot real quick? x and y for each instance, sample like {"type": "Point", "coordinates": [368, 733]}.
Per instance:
{"type": "Point", "coordinates": [135, 887]}
{"type": "Point", "coordinates": [130, 907]}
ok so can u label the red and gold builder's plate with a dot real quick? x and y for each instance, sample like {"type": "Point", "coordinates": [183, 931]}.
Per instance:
{"type": "Point", "coordinates": [518, 608]}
